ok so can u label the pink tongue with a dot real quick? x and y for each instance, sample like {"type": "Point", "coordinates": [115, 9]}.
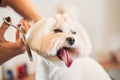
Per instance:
{"type": "Point", "coordinates": [65, 56]}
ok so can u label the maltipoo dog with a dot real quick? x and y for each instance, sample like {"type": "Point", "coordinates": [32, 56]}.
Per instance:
{"type": "Point", "coordinates": [63, 46]}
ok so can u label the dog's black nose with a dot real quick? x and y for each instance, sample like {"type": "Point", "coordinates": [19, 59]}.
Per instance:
{"type": "Point", "coordinates": [70, 40]}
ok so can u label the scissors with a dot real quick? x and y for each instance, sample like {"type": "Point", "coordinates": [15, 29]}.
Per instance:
{"type": "Point", "coordinates": [7, 21]}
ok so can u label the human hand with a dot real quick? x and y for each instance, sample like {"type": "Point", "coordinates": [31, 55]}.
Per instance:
{"type": "Point", "coordinates": [10, 49]}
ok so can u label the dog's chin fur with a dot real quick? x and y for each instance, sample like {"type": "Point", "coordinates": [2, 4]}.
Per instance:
{"type": "Point", "coordinates": [48, 36]}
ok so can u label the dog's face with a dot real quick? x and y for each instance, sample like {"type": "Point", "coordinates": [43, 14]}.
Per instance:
{"type": "Point", "coordinates": [59, 39]}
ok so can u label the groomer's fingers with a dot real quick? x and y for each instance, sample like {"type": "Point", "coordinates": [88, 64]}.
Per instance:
{"type": "Point", "coordinates": [17, 33]}
{"type": "Point", "coordinates": [22, 50]}
{"type": "Point", "coordinates": [20, 46]}
{"type": "Point", "coordinates": [3, 29]}
{"type": "Point", "coordinates": [19, 43]}
{"type": "Point", "coordinates": [26, 25]}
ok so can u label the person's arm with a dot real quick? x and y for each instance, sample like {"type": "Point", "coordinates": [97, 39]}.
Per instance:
{"type": "Point", "coordinates": [24, 8]}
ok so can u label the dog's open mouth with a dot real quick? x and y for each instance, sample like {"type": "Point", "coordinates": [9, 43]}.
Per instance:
{"type": "Point", "coordinates": [63, 54]}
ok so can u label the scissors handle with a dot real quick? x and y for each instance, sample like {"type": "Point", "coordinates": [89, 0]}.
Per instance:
{"type": "Point", "coordinates": [8, 21]}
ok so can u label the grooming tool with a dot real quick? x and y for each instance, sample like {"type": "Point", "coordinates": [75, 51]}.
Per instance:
{"type": "Point", "coordinates": [7, 21]}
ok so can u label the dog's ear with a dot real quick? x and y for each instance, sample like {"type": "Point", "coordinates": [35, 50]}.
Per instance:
{"type": "Point", "coordinates": [68, 10]}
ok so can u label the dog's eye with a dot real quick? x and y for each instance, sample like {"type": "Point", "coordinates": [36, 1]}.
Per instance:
{"type": "Point", "coordinates": [73, 32]}
{"type": "Point", "coordinates": [57, 30]}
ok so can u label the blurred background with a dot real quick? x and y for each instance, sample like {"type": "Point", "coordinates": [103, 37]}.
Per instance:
{"type": "Point", "coordinates": [101, 19]}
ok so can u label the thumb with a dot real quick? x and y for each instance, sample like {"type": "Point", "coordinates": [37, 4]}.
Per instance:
{"type": "Point", "coordinates": [3, 29]}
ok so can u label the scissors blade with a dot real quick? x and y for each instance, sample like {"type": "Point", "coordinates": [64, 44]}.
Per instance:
{"type": "Point", "coordinates": [27, 48]}
{"type": "Point", "coordinates": [29, 53]}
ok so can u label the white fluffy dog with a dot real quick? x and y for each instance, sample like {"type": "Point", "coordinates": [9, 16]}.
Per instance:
{"type": "Point", "coordinates": [62, 44]}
